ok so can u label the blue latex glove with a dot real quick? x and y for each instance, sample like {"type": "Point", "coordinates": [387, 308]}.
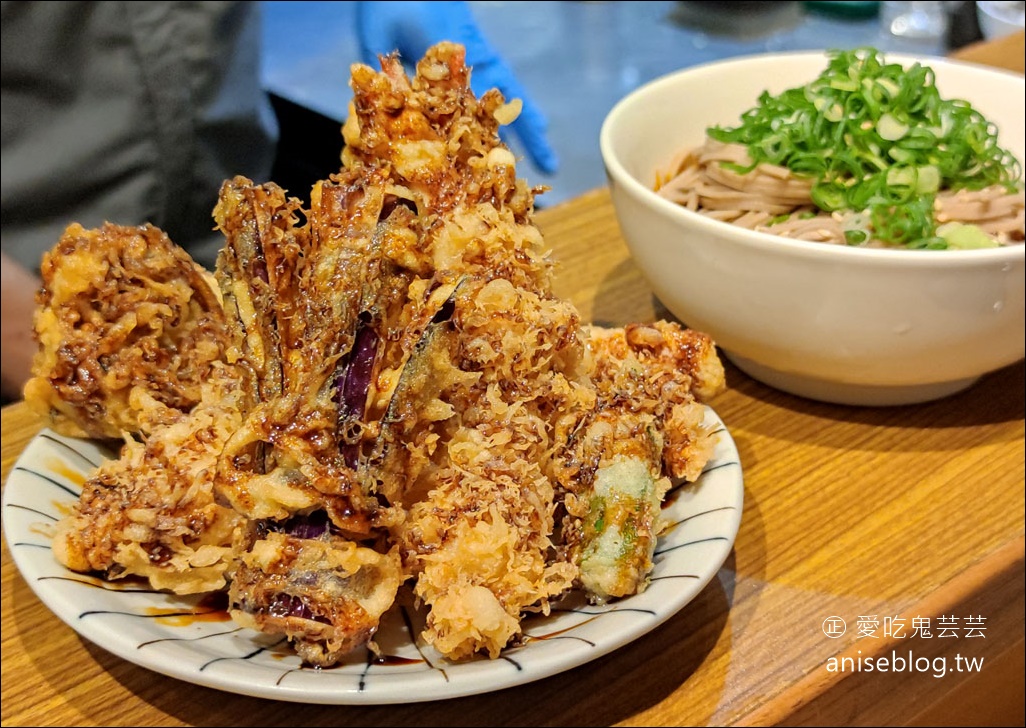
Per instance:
{"type": "Point", "coordinates": [413, 27]}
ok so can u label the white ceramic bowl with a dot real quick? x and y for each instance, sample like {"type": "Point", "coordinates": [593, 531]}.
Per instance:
{"type": "Point", "coordinates": [841, 324]}
{"type": "Point", "coordinates": [998, 19]}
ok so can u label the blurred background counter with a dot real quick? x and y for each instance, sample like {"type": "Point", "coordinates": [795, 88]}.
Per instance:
{"type": "Point", "coordinates": [577, 59]}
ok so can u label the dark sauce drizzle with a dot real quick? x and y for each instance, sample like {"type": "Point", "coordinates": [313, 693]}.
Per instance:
{"type": "Point", "coordinates": [372, 660]}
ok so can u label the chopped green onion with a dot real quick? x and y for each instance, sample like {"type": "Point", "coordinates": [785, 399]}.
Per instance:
{"type": "Point", "coordinates": [874, 136]}
{"type": "Point", "coordinates": [908, 223]}
{"type": "Point", "coordinates": [855, 237]}
{"type": "Point", "coordinates": [965, 236]}
{"type": "Point", "coordinates": [890, 129]}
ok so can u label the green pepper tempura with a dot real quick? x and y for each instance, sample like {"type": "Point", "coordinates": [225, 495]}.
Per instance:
{"type": "Point", "coordinates": [877, 137]}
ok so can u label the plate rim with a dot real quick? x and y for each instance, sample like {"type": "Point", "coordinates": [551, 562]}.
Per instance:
{"type": "Point", "coordinates": [435, 679]}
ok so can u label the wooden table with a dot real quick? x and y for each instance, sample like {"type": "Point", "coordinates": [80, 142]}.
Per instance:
{"type": "Point", "coordinates": [895, 514]}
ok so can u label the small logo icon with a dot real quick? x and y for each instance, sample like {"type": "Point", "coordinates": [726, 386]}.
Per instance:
{"type": "Point", "coordinates": [834, 627]}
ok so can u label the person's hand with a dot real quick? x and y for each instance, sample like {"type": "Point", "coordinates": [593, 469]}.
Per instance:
{"type": "Point", "coordinates": [16, 332]}
{"type": "Point", "coordinates": [413, 27]}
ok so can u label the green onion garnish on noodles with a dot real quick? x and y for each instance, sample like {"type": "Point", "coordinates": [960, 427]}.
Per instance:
{"type": "Point", "coordinates": [877, 137]}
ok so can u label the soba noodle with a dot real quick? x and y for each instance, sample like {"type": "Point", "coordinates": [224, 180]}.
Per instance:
{"type": "Point", "coordinates": [856, 163]}
{"type": "Point", "coordinates": [774, 200]}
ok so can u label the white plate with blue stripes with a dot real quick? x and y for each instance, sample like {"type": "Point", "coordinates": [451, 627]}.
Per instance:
{"type": "Point", "coordinates": [195, 640]}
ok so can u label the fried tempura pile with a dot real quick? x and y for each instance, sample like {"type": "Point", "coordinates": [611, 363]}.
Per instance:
{"type": "Point", "coordinates": [124, 316]}
{"type": "Point", "coordinates": [392, 398]}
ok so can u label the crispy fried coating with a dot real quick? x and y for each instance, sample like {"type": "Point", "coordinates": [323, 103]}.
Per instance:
{"type": "Point", "coordinates": [398, 402]}
{"type": "Point", "coordinates": [646, 428]}
{"type": "Point", "coordinates": [439, 142]}
{"type": "Point", "coordinates": [151, 512]}
{"type": "Point", "coordinates": [123, 313]}
{"type": "Point", "coordinates": [479, 534]}
{"type": "Point", "coordinates": [256, 275]}
{"type": "Point", "coordinates": [665, 371]}
{"type": "Point", "coordinates": [295, 292]}
{"type": "Point", "coordinates": [466, 398]}
{"type": "Point", "coordinates": [325, 593]}
{"type": "Point", "coordinates": [282, 459]}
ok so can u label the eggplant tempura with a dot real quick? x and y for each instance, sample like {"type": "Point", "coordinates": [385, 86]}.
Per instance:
{"type": "Point", "coordinates": [395, 400]}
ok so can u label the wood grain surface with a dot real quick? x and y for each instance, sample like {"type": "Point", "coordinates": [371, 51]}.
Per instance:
{"type": "Point", "coordinates": [897, 513]}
